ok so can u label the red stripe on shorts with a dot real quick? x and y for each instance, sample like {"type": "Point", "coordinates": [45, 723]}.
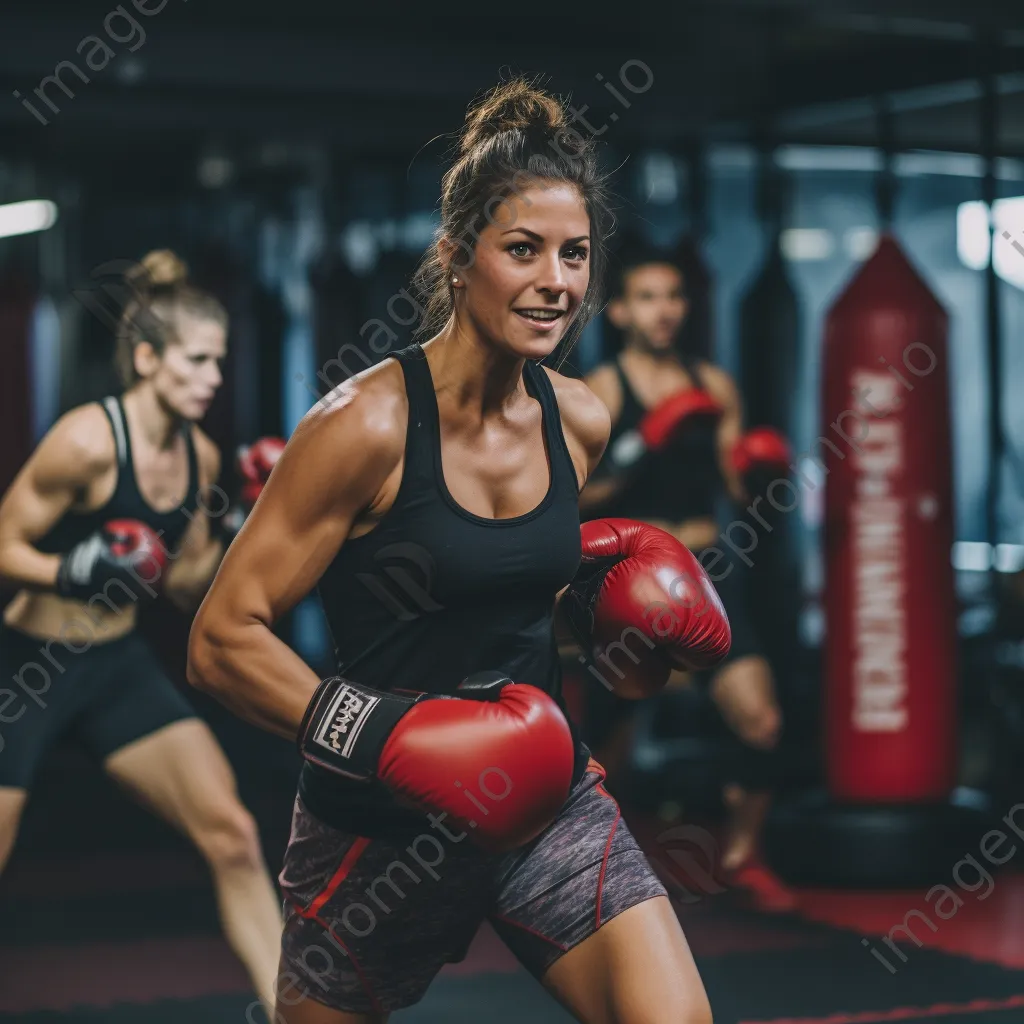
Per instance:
{"type": "Point", "coordinates": [607, 850]}
{"type": "Point", "coordinates": [355, 851]}
{"type": "Point", "coordinates": [363, 980]}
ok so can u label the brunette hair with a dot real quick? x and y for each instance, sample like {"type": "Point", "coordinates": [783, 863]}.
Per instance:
{"type": "Point", "coordinates": [515, 136]}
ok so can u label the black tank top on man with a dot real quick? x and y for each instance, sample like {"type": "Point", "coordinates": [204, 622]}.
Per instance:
{"type": "Point", "coordinates": [682, 481]}
{"type": "Point", "coordinates": [127, 501]}
{"type": "Point", "coordinates": [435, 593]}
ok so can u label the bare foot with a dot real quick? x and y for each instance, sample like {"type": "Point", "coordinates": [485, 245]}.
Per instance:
{"type": "Point", "coordinates": [747, 812]}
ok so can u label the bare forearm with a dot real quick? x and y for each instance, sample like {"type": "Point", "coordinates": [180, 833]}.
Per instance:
{"type": "Point", "coordinates": [252, 673]}
{"type": "Point", "coordinates": [21, 565]}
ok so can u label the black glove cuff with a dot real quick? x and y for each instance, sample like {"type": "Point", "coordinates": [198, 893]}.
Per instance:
{"type": "Point", "coordinates": [579, 600]}
{"type": "Point", "coordinates": [346, 726]}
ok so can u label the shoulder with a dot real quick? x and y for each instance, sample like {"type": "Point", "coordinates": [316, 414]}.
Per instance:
{"type": "Point", "coordinates": [719, 383]}
{"type": "Point", "coordinates": [207, 454]}
{"type": "Point", "coordinates": [584, 414]}
{"type": "Point", "coordinates": [366, 415]}
{"type": "Point", "coordinates": [603, 380]}
{"type": "Point", "coordinates": [82, 441]}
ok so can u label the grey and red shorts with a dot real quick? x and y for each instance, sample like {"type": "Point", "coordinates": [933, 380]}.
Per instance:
{"type": "Point", "coordinates": [369, 923]}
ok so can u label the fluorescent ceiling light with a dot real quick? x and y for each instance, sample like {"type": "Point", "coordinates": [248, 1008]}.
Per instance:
{"type": "Point", "coordinates": [24, 218]}
{"type": "Point", "coordinates": [973, 238]}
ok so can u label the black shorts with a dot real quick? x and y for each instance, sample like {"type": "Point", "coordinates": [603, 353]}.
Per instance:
{"type": "Point", "coordinates": [103, 698]}
{"type": "Point", "coordinates": [369, 923]}
{"type": "Point", "coordinates": [603, 709]}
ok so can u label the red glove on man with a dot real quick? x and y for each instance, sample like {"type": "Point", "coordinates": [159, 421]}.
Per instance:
{"type": "Point", "coordinates": [761, 456]}
{"type": "Point", "coordinates": [498, 758]}
{"type": "Point", "coordinates": [663, 423]}
{"type": "Point", "coordinates": [641, 605]}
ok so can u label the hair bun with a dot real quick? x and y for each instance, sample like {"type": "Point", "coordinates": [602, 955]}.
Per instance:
{"type": "Point", "coordinates": [511, 106]}
{"type": "Point", "coordinates": [158, 269]}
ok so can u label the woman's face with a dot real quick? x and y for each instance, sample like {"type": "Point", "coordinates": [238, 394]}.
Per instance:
{"type": "Point", "coordinates": [529, 270]}
{"type": "Point", "coordinates": [188, 374]}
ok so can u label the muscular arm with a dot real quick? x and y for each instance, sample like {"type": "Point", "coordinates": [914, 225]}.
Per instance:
{"type": "Point", "coordinates": [586, 425]}
{"type": "Point", "coordinates": [723, 390]}
{"type": "Point", "coordinates": [333, 467]}
{"type": "Point", "coordinates": [200, 552]}
{"type": "Point", "coordinates": [604, 383]}
{"type": "Point", "coordinates": [78, 449]}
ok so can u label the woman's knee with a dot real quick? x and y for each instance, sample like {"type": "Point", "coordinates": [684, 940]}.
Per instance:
{"type": "Point", "coordinates": [229, 839]}
{"type": "Point", "coordinates": [745, 694]}
{"type": "Point", "coordinates": [12, 802]}
{"type": "Point", "coordinates": [761, 727]}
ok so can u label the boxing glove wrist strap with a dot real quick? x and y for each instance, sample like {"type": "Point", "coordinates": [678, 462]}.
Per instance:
{"type": "Point", "coordinates": [579, 600]}
{"type": "Point", "coordinates": [74, 575]}
{"type": "Point", "coordinates": [346, 726]}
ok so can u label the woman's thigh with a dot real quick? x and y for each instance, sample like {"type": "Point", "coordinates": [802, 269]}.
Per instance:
{"type": "Point", "coordinates": [636, 969]}
{"type": "Point", "coordinates": [583, 900]}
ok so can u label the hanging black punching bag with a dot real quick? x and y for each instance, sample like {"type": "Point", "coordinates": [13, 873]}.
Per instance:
{"type": "Point", "coordinates": [340, 350]}
{"type": "Point", "coordinates": [698, 334]}
{"type": "Point", "coordinates": [768, 372]}
{"type": "Point", "coordinates": [770, 322]}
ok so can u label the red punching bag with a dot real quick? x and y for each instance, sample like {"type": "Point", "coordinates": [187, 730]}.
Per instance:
{"type": "Point", "coordinates": [890, 672]}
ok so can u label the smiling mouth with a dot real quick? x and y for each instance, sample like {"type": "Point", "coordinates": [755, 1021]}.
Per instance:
{"type": "Point", "coordinates": [540, 316]}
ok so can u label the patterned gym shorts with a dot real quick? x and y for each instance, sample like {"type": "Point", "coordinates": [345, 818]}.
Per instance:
{"type": "Point", "coordinates": [369, 923]}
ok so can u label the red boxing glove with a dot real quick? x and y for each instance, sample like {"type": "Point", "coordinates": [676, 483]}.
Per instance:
{"type": "Point", "coordinates": [255, 461]}
{"type": "Point", "coordinates": [497, 758]}
{"type": "Point", "coordinates": [636, 580]}
{"type": "Point", "coordinates": [124, 562]}
{"type": "Point", "coordinates": [762, 448]}
{"type": "Point", "coordinates": [662, 424]}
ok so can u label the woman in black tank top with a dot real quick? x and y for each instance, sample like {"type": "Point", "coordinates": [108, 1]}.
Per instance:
{"type": "Point", "coordinates": [680, 488]}
{"type": "Point", "coordinates": [433, 501]}
{"type": "Point", "coordinates": [68, 640]}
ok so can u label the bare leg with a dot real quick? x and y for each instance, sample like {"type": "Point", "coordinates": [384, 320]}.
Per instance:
{"type": "Point", "coordinates": [636, 969]}
{"type": "Point", "coordinates": [12, 802]}
{"type": "Point", "coordinates": [745, 694]}
{"type": "Point", "coordinates": [181, 773]}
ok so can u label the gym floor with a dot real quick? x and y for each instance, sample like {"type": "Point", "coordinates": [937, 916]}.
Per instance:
{"type": "Point", "coordinates": [107, 916]}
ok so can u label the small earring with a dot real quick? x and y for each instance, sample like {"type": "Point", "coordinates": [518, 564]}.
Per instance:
{"type": "Point", "coordinates": [455, 279]}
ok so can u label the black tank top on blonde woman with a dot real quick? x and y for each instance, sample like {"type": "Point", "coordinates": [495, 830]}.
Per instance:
{"type": "Point", "coordinates": [127, 501]}
{"type": "Point", "coordinates": [434, 593]}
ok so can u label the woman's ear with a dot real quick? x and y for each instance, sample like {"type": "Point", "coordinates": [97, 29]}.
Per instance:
{"type": "Point", "coordinates": [456, 258]}
{"type": "Point", "coordinates": [145, 359]}
{"type": "Point", "coordinates": [616, 310]}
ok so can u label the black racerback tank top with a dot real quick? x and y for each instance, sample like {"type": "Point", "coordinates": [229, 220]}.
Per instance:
{"type": "Point", "coordinates": [681, 482]}
{"type": "Point", "coordinates": [434, 593]}
{"type": "Point", "coordinates": [127, 501]}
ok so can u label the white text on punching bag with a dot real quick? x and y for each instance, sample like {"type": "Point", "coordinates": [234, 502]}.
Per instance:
{"type": "Point", "coordinates": [879, 641]}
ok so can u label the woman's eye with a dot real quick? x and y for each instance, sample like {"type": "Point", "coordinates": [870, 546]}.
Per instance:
{"type": "Point", "coordinates": [515, 249]}
{"type": "Point", "coordinates": [578, 255]}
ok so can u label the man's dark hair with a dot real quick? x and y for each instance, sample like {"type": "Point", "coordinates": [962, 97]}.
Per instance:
{"type": "Point", "coordinates": [635, 252]}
